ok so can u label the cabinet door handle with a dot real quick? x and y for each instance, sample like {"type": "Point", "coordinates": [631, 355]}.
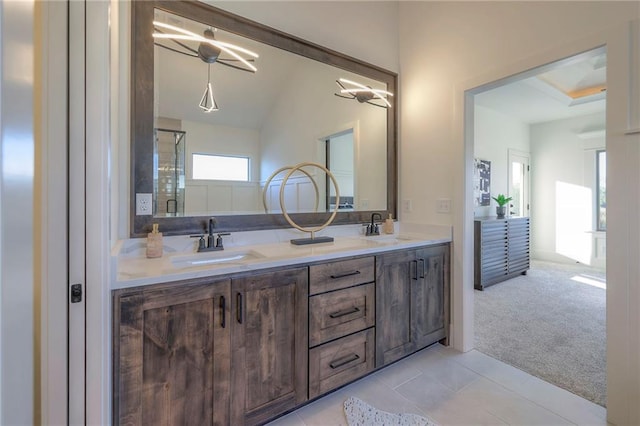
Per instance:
{"type": "Point", "coordinates": [421, 269]}
{"type": "Point", "coordinates": [414, 275]}
{"type": "Point", "coordinates": [343, 361]}
{"type": "Point", "coordinates": [344, 312]}
{"type": "Point", "coordinates": [223, 308]}
{"type": "Point", "coordinates": [347, 274]}
{"type": "Point", "coordinates": [239, 309]}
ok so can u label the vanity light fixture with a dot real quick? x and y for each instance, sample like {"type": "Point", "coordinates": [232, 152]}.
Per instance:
{"type": "Point", "coordinates": [208, 49]}
{"type": "Point", "coordinates": [363, 94]}
{"type": "Point", "coordinates": [208, 103]}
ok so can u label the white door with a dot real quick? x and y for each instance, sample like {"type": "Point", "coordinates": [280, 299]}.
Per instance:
{"type": "Point", "coordinates": [519, 181]}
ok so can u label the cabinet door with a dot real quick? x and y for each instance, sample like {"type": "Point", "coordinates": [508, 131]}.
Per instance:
{"type": "Point", "coordinates": [171, 355]}
{"type": "Point", "coordinates": [269, 344]}
{"type": "Point", "coordinates": [396, 273]}
{"type": "Point", "coordinates": [429, 296]}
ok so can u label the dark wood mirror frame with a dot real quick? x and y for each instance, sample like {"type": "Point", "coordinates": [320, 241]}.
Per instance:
{"type": "Point", "coordinates": [142, 92]}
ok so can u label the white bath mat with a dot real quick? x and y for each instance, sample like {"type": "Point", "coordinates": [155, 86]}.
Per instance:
{"type": "Point", "coordinates": [359, 413]}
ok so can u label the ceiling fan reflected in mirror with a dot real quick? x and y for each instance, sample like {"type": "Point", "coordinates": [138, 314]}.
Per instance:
{"type": "Point", "coordinates": [208, 49]}
{"type": "Point", "coordinates": [363, 94]}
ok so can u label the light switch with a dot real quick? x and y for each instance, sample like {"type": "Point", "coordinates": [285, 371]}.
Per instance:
{"type": "Point", "coordinates": [444, 205]}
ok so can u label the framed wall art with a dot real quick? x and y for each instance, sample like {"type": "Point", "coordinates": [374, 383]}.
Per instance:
{"type": "Point", "coordinates": [481, 182]}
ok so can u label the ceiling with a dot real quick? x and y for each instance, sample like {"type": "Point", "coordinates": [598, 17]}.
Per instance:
{"type": "Point", "coordinates": [246, 99]}
{"type": "Point", "coordinates": [570, 88]}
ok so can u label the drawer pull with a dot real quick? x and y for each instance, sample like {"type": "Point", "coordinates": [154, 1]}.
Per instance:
{"type": "Point", "coordinates": [344, 312]}
{"type": "Point", "coordinates": [348, 274]}
{"type": "Point", "coordinates": [343, 361]}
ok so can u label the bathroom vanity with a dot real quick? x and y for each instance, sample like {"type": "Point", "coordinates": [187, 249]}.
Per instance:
{"type": "Point", "coordinates": [244, 340]}
{"type": "Point", "coordinates": [245, 334]}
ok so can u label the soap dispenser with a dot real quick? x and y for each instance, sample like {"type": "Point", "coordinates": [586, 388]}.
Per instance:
{"type": "Point", "coordinates": [154, 243]}
{"type": "Point", "coordinates": [388, 225]}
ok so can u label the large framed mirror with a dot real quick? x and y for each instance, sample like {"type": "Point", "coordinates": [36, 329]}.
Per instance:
{"type": "Point", "coordinates": [208, 134]}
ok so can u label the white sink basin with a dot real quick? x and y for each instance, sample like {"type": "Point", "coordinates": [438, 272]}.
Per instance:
{"type": "Point", "coordinates": [215, 257]}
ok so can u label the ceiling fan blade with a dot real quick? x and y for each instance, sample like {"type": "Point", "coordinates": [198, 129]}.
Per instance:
{"type": "Point", "coordinates": [225, 63]}
{"type": "Point", "coordinates": [176, 50]}
{"type": "Point", "coordinates": [378, 105]}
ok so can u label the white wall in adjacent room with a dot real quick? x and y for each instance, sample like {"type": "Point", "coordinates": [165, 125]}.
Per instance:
{"type": "Point", "coordinates": [495, 134]}
{"type": "Point", "coordinates": [563, 189]}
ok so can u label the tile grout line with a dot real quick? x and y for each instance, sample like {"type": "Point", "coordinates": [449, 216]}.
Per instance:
{"type": "Point", "coordinates": [527, 399]}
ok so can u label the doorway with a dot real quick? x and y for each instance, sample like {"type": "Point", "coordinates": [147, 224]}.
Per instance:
{"type": "Point", "coordinates": [339, 157]}
{"type": "Point", "coordinates": [542, 139]}
{"type": "Point", "coordinates": [519, 183]}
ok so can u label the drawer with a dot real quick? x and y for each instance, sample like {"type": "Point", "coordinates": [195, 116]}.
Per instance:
{"type": "Point", "coordinates": [341, 274]}
{"type": "Point", "coordinates": [338, 313]}
{"type": "Point", "coordinates": [341, 361]}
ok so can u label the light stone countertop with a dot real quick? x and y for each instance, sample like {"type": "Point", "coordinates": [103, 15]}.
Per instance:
{"type": "Point", "coordinates": [255, 250]}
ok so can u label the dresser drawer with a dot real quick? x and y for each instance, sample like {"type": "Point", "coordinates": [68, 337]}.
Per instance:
{"type": "Point", "coordinates": [341, 361]}
{"type": "Point", "coordinates": [338, 313]}
{"type": "Point", "coordinates": [341, 274]}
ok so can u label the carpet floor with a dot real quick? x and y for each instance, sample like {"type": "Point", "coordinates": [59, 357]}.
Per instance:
{"type": "Point", "coordinates": [549, 323]}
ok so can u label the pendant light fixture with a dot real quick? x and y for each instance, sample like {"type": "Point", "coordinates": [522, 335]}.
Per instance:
{"type": "Point", "coordinates": [208, 50]}
{"type": "Point", "coordinates": [208, 102]}
{"type": "Point", "coordinates": [363, 94]}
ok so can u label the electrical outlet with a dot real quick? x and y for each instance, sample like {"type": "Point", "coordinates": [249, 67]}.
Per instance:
{"type": "Point", "coordinates": [143, 204]}
{"type": "Point", "coordinates": [407, 205]}
{"type": "Point", "coordinates": [365, 204]}
{"type": "Point", "coordinates": [444, 205]}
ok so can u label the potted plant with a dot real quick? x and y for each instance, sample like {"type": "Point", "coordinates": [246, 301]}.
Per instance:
{"type": "Point", "coordinates": [501, 209]}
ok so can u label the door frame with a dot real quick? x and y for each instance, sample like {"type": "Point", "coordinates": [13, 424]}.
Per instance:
{"type": "Point", "coordinates": [623, 133]}
{"type": "Point", "coordinates": [90, 121]}
{"type": "Point", "coordinates": [511, 153]}
{"type": "Point", "coordinates": [101, 118]}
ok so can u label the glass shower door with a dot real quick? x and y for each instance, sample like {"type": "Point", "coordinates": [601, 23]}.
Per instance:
{"type": "Point", "coordinates": [169, 172]}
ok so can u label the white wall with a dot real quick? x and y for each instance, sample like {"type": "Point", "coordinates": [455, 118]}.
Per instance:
{"type": "Point", "coordinates": [495, 134]}
{"type": "Point", "coordinates": [447, 48]}
{"type": "Point", "coordinates": [564, 189]}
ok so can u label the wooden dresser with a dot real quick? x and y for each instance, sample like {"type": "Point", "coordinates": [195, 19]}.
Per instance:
{"type": "Point", "coordinates": [501, 249]}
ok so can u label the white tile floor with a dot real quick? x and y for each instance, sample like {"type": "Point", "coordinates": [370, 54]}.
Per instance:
{"type": "Point", "coordinates": [454, 388]}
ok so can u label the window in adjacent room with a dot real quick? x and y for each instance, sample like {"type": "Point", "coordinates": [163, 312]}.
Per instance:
{"type": "Point", "coordinates": [601, 190]}
{"type": "Point", "coordinates": [220, 167]}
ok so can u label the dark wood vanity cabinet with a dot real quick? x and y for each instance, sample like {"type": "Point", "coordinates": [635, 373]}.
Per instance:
{"type": "Point", "coordinates": [412, 288]}
{"type": "Point", "coordinates": [268, 345]}
{"type": "Point", "coordinates": [211, 352]}
{"type": "Point", "coordinates": [245, 348]}
{"type": "Point", "coordinates": [172, 355]}
{"type": "Point", "coordinates": [501, 250]}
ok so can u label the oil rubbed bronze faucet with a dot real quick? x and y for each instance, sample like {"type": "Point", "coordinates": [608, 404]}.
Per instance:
{"type": "Point", "coordinates": [373, 228]}
{"type": "Point", "coordinates": [212, 243]}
